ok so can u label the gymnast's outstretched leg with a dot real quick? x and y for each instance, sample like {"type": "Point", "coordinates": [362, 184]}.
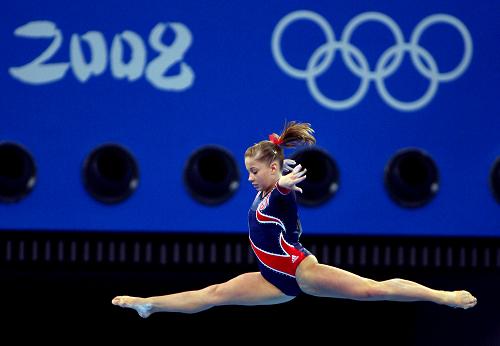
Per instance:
{"type": "Point", "coordinates": [245, 289]}
{"type": "Point", "coordinates": [327, 281]}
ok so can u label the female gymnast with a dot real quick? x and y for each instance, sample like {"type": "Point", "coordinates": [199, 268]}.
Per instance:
{"type": "Point", "coordinates": [286, 268]}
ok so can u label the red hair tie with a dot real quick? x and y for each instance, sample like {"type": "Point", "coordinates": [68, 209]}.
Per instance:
{"type": "Point", "coordinates": [275, 139]}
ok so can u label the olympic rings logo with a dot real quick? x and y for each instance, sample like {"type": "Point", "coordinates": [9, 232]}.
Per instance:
{"type": "Point", "coordinates": [356, 62]}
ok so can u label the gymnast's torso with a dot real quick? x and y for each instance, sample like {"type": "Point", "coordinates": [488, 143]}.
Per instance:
{"type": "Point", "coordinates": [274, 232]}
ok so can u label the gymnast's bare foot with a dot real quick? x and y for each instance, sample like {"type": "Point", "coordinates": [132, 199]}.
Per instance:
{"type": "Point", "coordinates": [460, 299]}
{"type": "Point", "coordinates": [138, 304]}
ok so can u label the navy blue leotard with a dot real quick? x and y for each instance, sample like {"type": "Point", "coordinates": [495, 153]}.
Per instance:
{"type": "Point", "coordinates": [274, 232]}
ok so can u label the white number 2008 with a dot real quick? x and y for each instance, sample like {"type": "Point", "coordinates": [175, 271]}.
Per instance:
{"type": "Point", "coordinates": [39, 71]}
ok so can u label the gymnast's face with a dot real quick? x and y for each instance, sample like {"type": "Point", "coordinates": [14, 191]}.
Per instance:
{"type": "Point", "coordinates": [262, 175]}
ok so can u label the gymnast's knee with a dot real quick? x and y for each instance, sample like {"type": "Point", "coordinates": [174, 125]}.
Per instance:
{"type": "Point", "coordinates": [213, 295]}
{"type": "Point", "coordinates": [374, 290]}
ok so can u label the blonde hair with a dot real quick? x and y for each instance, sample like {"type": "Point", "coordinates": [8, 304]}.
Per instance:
{"type": "Point", "coordinates": [293, 135]}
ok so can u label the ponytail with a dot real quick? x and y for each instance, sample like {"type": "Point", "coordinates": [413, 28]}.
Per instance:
{"type": "Point", "coordinates": [295, 134]}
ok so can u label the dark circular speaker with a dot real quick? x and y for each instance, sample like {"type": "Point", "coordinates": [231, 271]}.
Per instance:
{"type": "Point", "coordinates": [17, 172]}
{"type": "Point", "coordinates": [211, 175]}
{"type": "Point", "coordinates": [495, 179]}
{"type": "Point", "coordinates": [322, 180]}
{"type": "Point", "coordinates": [411, 178]}
{"type": "Point", "coordinates": [110, 173]}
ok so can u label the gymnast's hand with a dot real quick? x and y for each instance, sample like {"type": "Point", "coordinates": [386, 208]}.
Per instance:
{"type": "Point", "coordinates": [291, 180]}
{"type": "Point", "coordinates": [287, 165]}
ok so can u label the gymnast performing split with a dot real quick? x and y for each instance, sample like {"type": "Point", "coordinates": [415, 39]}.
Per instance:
{"type": "Point", "coordinates": [286, 268]}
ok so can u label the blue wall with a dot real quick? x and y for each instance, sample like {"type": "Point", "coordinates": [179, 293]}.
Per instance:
{"type": "Point", "coordinates": [220, 82]}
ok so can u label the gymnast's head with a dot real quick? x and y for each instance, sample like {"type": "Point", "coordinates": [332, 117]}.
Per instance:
{"type": "Point", "coordinates": [267, 155]}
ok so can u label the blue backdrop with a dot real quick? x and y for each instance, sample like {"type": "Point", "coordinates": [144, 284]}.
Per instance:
{"type": "Point", "coordinates": [164, 78]}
